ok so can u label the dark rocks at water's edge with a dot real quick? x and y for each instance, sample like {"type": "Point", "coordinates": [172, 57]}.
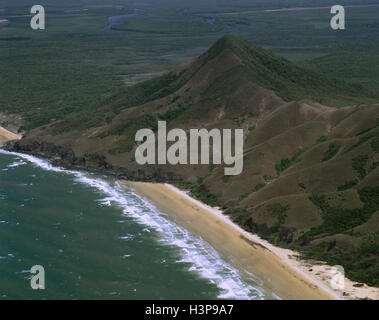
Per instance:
{"type": "Point", "coordinates": [65, 157]}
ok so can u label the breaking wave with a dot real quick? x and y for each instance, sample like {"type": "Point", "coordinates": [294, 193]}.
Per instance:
{"type": "Point", "coordinates": [201, 257]}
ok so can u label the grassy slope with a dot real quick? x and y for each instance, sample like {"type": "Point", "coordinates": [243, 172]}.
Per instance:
{"type": "Point", "coordinates": [258, 66]}
{"type": "Point", "coordinates": [75, 63]}
{"type": "Point", "coordinates": [310, 171]}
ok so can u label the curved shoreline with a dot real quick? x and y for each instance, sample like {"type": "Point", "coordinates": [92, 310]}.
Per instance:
{"type": "Point", "coordinates": [230, 241]}
{"type": "Point", "coordinates": [280, 269]}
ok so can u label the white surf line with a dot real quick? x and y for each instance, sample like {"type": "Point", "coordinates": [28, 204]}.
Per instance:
{"type": "Point", "coordinates": [283, 254]}
{"type": "Point", "coordinates": [203, 258]}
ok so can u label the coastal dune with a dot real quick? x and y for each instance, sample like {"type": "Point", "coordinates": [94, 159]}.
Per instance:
{"type": "Point", "coordinates": [244, 250]}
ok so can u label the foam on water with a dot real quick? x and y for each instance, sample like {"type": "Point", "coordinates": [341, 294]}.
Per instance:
{"type": "Point", "coordinates": [17, 163]}
{"type": "Point", "coordinates": [201, 257]}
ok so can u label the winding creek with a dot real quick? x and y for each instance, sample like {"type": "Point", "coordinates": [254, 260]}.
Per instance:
{"type": "Point", "coordinates": [117, 20]}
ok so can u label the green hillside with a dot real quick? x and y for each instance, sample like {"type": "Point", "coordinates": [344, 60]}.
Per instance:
{"type": "Point", "coordinates": [310, 178]}
{"type": "Point", "coordinates": [257, 65]}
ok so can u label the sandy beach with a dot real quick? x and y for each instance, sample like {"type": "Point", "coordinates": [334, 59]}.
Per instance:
{"type": "Point", "coordinates": [280, 269]}
{"type": "Point", "coordinates": [6, 135]}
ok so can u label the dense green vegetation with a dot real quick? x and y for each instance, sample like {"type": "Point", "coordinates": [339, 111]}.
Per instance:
{"type": "Point", "coordinates": [348, 185]}
{"type": "Point", "coordinates": [359, 164]}
{"type": "Point", "coordinates": [362, 140]}
{"type": "Point", "coordinates": [331, 152]}
{"type": "Point", "coordinates": [361, 263]}
{"type": "Point", "coordinates": [74, 64]}
{"type": "Point", "coordinates": [85, 76]}
{"type": "Point", "coordinates": [375, 144]}
{"type": "Point", "coordinates": [321, 139]}
{"type": "Point", "coordinates": [276, 234]}
{"type": "Point", "coordinates": [127, 127]}
{"type": "Point", "coordinates": [286, 163]}
{"type": "Point", "coordinates": [337, 220]}
{"type": "Point", "coordinates": [241, 217]}
{"type": "Point", "coordinates": [287, 79]}
{"type": "Point", "coordinates": [202, 193]}
{"type": "Point", "coordinates": [283, 165]}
